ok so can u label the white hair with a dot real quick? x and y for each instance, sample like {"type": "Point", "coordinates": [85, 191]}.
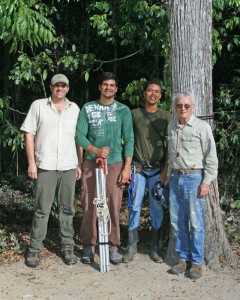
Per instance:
{"type": "Point", "coordinates": [177, 96]}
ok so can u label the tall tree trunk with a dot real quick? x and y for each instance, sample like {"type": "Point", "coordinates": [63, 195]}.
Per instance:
{"type": "Point", "coordinates": [191, 70]}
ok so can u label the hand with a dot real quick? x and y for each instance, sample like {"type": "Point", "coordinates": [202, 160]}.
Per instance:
{"type": "Point", "coordinates": [203, 190]}
{"type": "Point", "coordinates": [124, 177]}
{"type": "Point", "coordinates": [163, 177]}
{"type": "Point", "coordinates": [32, 171]}
{"type": "Point", "coordinates": [102, 152]}
{"type": "Point", "coordinates": [78, 173]}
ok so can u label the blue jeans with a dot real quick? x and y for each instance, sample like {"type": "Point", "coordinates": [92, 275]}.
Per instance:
{"type": "Point", "coordinates": [187, 213]}
{"type": "Point", "coordinates": [134, 212]}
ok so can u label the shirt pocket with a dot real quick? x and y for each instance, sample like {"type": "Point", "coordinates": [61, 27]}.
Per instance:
{"type": "Point", "coordinates": [191, 143]}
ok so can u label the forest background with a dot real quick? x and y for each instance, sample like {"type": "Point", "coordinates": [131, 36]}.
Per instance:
{"type": "Point", "coordinates": [82, 39]}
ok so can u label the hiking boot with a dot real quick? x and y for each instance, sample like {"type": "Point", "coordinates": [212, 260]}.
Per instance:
{"type": "Point", "coordinates": [69, 257]}
{"type": "Point", "coordinates": [87, 256]}
{"type": "Point", "coordinates": [179, 268]}
{"type": "Point", "coordinates": [115, 257]}
{"type": "Point", "coordinates": [195, 271]}
{"type": "Point", "coordinates": [132, 246]}
{"type": "Point", "coordinates": [32, 259]}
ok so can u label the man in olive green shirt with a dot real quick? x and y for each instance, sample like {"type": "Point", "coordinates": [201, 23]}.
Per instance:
{"type": "Point", "coordinates": [150, 129]}
{"type": "Point", "coordinates": [192, 167]}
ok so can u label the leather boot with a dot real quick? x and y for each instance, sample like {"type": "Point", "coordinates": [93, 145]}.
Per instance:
{"type": "Point", "coordinates": [132, 246]}
{"type": "Point", "coordinates": [155, 255]}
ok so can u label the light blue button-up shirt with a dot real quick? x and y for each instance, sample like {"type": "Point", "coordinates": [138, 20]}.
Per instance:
{"type": "Point", "coordinates": [192, 147]}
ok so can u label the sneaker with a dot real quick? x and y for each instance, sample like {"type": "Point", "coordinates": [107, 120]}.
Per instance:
{"type": "Point", "coordinates": [87, 256]}
{"type": "Point", "coordinates": [195, 271]}
{"type": "Point", "coordinates": [179, 268]}
{"type": "Point", "coordinates": [32, 259]}
{"type": "Point", "coordinates": [115, 257]}
{"type": "Point", "coordinates": [69, 257]}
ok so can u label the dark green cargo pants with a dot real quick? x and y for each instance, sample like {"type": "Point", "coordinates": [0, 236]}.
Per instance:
{"type": "Point", "coordinates": [51, 185]}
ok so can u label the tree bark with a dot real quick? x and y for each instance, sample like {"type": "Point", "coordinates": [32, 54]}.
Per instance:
{"type": "Point", "coordinates": [191, 71]}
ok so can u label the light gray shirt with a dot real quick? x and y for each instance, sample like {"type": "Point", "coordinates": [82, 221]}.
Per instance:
{"type": "Point", "coordinates": [54, 134]}
{"type": "Point", "coordinates": [192, 147]}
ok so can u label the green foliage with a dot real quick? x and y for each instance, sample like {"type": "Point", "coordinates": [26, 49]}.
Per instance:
{"type": "Point", "coordinates": [226, 21]}
{"type": "Point", "coordinates": [145, 23]}
{"type": "Point", "coordinates": [136, 23]}
{"type": "Point", "coordinates": [32, 69]}
{"type": "Point", "coordinates": [10, 240]}
{"type": "Point", "coordinates": [102, 22]}
{"type": "Point", "coordinates": [134, 93]}
{"type": "Point", "coordinates": [10, 136]}
{"type": "Point", "coordinates": [22, 21]}
{"type": "Point", "coordinates": [72, 60]}
{"type": "Point", "coordinates": [228, 137]}
{"type": "Point", "coordinates": [16, 207]}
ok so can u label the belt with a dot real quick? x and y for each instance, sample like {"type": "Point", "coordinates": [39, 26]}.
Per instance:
{"type": "Point", "coordinates": [186, 171]}
{"type": "Point", "coordinates": [150, 165]}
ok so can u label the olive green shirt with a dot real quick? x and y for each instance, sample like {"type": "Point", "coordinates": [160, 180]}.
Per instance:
{"type": "Point", "coordinates": [150, 130]}
{"type": "Point", "coordinates": [192, 147]}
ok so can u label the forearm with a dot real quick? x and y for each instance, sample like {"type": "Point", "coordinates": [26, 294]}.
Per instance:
{"type": "Point", "coordinates": [80, 160]}
{"type": "Point", "coordinates": [127, 162]}
{"type": "Point", "coordinates": [32, 167]}
{"type": "Point", "coordinates": [102, 152]}
{"type": "Point", "coordinates": [29, 141]}
{"type": "Point", "coordinates": [92, 149]}
{"type": "Point", "coordinates": [80, 155]}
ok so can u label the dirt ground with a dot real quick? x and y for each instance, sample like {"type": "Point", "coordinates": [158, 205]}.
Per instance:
{"type": "Point", "coordinates": [141, 279]}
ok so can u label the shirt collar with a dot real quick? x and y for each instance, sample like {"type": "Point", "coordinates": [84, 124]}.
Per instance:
{"type": "Point", "coordinates": [189, 123]}
{"type": "Point", "coordinates": [67, 102]}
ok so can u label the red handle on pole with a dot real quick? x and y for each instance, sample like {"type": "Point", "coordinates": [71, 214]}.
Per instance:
{"type": "Point", "coordinates": [101, 160]}
{"type": "Point", "coordinates": [103, 164]}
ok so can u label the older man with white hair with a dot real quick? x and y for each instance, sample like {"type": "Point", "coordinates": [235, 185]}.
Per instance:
{"type": "Point", "coordinates": [192, 167]}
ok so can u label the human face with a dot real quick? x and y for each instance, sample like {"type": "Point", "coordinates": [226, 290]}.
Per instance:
{"type": "Point", "coordinates": [108, 89]}
{"type": "Point", "coordinates": [184, 108]}
{"type": "Point", "coordinates": [59, 90]}
{"type": "Point", "coordinates": [152, 94]}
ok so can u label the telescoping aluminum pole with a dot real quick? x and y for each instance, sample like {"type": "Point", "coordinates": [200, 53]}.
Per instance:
{"type": "Point", "coordinates": [102, 214]}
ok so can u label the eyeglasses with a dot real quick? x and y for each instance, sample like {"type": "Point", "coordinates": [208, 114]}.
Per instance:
{"type": "Point", "coordinates": [186, 106]}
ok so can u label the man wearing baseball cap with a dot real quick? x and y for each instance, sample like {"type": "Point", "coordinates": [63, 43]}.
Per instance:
{"type": "Point", "coordinates": [53, 162]}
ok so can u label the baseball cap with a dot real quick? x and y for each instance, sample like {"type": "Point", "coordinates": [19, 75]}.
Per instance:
{"type": "Point", "coordinates": [59, 78]}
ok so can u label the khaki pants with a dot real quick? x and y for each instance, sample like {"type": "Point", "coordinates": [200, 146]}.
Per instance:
{"type": "Point", "coordinates": [88, 231]}
{"type": "Point", "coordinates": [50, 185]}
